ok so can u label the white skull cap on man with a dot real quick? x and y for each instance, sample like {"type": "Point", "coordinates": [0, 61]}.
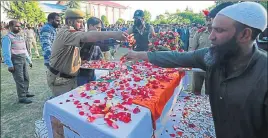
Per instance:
{"type": "Point", "coordinates": [249, 13]}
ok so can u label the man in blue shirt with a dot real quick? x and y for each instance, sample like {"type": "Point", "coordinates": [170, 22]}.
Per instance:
{"type": "Point", "coordinates": [48, 34]}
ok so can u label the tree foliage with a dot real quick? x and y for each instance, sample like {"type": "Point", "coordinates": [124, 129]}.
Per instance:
{"type": "Point", "coordinates": [104, 20]}
{"type": "Point", "coordinates": [27, 11]}
{"type": "Point", "coordinates": [120, 21]}
{"type": "Point", "coordinates": [73, 4]}
{"type": "Point", "coordinates": [185, 17]}
{"type": "Point", "coordinates": [147, 16]}
{"type": "Point", "coordinates": [263, 3]}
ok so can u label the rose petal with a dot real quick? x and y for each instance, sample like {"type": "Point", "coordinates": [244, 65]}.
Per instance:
{"type": "Point", "coordinates": [136, 110]}
{"type": "Point", "coordinates": [81, 113]}
{"type": "Point", "coordinates": [91, 119]}
{"type": "Point", "coordinates": [180, 133]}
{"type": "Point", "coordinates": [97, 101]}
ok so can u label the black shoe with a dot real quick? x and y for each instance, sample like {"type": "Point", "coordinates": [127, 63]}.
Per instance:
{"type": "Point", "coordinates": [29, 95]}
{"type": "Point", "coordinates": [25, 101]}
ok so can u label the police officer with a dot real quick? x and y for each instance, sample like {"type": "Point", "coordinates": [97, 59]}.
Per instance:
{"type": "Point", "coordinates": [141, 31]}
{"type": "Point", "coordinates": [31, 40]}
{"type": "Point", "coordinates": [201, 40]}
{"type": "Point", "coordinates": [65, 58]}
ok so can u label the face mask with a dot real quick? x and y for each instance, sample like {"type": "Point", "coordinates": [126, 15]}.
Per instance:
{"type": "Point", "coordinates": [138, 22]}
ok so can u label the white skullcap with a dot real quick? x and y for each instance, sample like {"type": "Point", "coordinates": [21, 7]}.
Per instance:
{"type": "Point", "coordinates": [249, 13]}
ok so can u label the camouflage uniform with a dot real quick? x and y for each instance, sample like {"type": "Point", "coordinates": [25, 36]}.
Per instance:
{"type": "Point", "coordinates": [200, 40]}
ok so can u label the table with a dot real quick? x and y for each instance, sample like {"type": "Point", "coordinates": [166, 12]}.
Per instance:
{"type": "Point", "coordinates": [66, 119]}
{"type": "Point", "coordinates": [150, 88]}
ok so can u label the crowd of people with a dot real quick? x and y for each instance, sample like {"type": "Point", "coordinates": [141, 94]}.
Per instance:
{"type": "Point", "coordinates": [226, 47]}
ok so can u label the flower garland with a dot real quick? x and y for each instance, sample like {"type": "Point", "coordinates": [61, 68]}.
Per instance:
{"type": "Point", "coordinates": [165, 41]}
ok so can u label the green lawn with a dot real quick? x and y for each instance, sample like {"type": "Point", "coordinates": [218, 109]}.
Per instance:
{"type": "Point", "coordinates": [17, 120]}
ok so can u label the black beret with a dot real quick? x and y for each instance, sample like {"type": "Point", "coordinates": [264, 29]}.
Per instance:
{"type": "Point", "coordinates": [214, 12]}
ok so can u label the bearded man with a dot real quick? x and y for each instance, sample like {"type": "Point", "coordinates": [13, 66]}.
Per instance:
{"type": "Point", "coordinates": [236, 71]}
{"type": "Point", "coordinates": [48, 34]}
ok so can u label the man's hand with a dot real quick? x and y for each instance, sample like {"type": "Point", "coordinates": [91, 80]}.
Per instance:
{"type": "Point", "coordinates": [11, 69]}
{"type": "Point", "coordinates": [135, 56]}
{"type": "Point", "coordinates": [83, 62]}
{"type": "Point", "coordinates": [123, 36]}
{"type": "Point", "coordinates": [30, 65]}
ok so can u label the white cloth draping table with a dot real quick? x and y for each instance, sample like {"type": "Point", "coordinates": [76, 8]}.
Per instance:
{"type": "Point", "coordinates": [139, 127]}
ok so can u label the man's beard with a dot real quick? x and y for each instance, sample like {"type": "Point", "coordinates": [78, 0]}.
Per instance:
{"type": "Point", "coordinates": [221, 54]}
{"type": "Point", "coordinates": [55, 25]}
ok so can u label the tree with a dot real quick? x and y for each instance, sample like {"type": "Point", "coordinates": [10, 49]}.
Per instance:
{"type": "Point", "coordinates": [27, 11]}
{"type": "Point", "coordinates": [264, 4]}
{"type": "Point", "coordinates": [180, 17]}
{"type": "Point", "coordinates": [120, 21]}
{"type": "Point", "coordinates": [147, 16]}
{"type": "Point", "coordinates": [73, 4]}
{"type": "Point", "coordinates": [211, 7]}
{"type": "Point", "coordinates": [104, 20]}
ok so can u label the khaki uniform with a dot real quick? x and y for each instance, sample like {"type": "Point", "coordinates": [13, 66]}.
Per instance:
{"type": "Point", "coordinates": [199, 41]}
{"type": "Point", "coordinates": [31, 41]}
{"type": "Point", "coordinates": [65, 61]}
{"type": "Point", "coordinates": [192, 32]}
{"type": "Point", "coordinates": [106, 55]}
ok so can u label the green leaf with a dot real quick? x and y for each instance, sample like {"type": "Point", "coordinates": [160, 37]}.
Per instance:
{"type": "Point", "coordinates": [28, 11]}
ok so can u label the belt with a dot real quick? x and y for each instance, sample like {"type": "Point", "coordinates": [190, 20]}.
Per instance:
{"type": "Point", "coordinates": [55, 72]}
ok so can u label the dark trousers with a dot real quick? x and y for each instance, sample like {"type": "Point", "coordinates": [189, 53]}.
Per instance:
{"type": "Point", "coordinates": [197, 82]}
{"type": "Point", "coordinates": [20, 75]}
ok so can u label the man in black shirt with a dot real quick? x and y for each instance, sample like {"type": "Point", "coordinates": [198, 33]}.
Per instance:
{"type": "Point", "coordinates": [236, 71]}
{"type": "Point", "coordinates": [141, 31]}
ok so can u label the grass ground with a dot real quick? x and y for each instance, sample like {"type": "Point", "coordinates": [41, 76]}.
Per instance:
{"type": "Point", "coordinates": [17, 120]}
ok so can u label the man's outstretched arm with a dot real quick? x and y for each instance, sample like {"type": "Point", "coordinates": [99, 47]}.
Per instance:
{"type": "Point", "coordinates": [172, 59]}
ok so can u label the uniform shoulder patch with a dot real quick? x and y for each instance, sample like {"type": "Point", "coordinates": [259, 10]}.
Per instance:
{"type": "Point", "coordinates": [72, 30]}
{"type": "Point", "coordinates": [201, 30]}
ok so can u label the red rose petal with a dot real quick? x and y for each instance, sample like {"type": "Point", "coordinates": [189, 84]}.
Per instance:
{"type": "Point", "coordinates": [91, 119]}
{"type": "Point", "coordinates": [81, 113]}
{"type": "Point", "coordinates": [79, 106]}
{"type": "Point", "coordinates": [191, 125]}
{"type": "Point", "coordinates": [97, 101]}
{"type": "Point", "coordinates": [180, 133]}
{"type": "Point", "coordinates": [136, 110]}
{"type": "Point", "coordinates": [76, 102]}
